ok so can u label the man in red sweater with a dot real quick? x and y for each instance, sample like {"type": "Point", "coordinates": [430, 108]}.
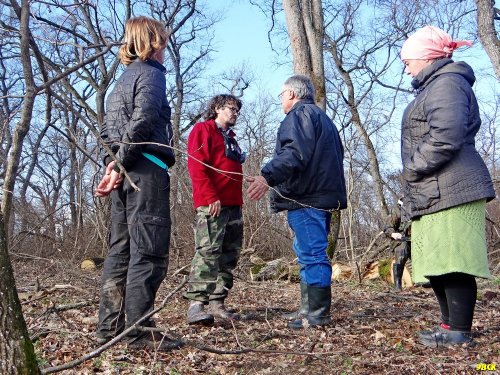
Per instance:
{"type": "Point", "coordinates": [214, 165]}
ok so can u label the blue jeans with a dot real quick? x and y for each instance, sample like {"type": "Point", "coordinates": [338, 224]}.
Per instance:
{"type": "Point", "coordinates": [311, 229]}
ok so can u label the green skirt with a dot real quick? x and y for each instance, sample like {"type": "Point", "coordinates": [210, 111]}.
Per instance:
{"type": "Point", "coordinates": [452, 240]}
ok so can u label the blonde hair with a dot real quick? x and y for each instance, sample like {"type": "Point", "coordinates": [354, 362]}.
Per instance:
{"type": "Point", "coordinates": [144, 36]}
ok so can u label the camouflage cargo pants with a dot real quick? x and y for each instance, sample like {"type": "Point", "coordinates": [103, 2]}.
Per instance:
{"type": "Point", "coordinates": [218, 242]}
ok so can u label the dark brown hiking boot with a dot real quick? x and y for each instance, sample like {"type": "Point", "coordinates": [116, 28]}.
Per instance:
{"type": "Point", "coordinates": [217, 308]}
{"type": "Point", "coordinates": [196, 314]}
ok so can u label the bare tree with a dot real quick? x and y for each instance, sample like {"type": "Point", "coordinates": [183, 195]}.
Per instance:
{"type": "Point", "coordinates": [17, 355]}
{"type": "Point", "coordinates": [28, 45]}
{"type": "Point", "coordinates": [306, 31]}
{"type": "Point", "coordinates": [487, 14]}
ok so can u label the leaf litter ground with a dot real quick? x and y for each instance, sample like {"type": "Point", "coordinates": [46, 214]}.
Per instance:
{"type": "Point", "coordinates": [373, 329]}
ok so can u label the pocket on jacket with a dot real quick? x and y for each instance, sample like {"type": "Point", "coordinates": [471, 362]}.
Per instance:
{"type": "Point", "coordinates": [153, 235]}
{"type": "Point", "coordinates": [424, 193]}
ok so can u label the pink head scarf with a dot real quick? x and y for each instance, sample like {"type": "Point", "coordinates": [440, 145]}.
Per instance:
{"type": "Point", "coordinates": [429, 43]}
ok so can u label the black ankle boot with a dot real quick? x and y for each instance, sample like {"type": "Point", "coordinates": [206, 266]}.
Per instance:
{"type": "Point", "coordinates": [318, 314]}
{"type": "Point", "coordinates": [445, 338]}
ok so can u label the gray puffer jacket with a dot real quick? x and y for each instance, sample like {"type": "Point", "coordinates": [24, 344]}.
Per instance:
{"type": "Point", "coordinates": [441, 166]}
{"type": "Point", "coordinates": [137, 111]}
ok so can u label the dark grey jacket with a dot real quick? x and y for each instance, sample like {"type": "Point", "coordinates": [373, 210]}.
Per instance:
{"type": "Point", "coordinates": [137, 111]}
{"type": "Point", "coordinates": [441, 166]}
{"type": "Point", "coordinates": [307, 165]}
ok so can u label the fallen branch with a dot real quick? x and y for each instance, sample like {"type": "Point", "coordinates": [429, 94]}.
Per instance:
{"type": "Point", "coordinates": [180, 270]}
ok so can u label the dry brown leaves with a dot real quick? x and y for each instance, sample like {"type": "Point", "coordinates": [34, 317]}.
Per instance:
{"type": "Point", "coordinates": [373, 331]}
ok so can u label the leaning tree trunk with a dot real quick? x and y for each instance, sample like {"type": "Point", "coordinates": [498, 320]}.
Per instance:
{"type": "Point", "coordinates": [17, 355]}
{"type": "Point", "coordinates": [487, 32]}
{"type": "Point", "coordinates": [304, 19]}
{"type": "Point", "coordinates": [356, 120]}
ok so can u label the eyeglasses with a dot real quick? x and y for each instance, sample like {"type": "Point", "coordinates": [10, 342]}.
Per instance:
{"type": "Point", "coordinates": [235, 110]}
{"type": "Point", "coordinates": [281, 93]}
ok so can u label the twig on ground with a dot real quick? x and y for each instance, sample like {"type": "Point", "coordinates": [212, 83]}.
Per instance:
{"type": "Point", "coordinates": [181, 269]}
{"type": "Point", "coordinates": [95, 353]}
{"type": "Point", "coordinates": [236, 335]}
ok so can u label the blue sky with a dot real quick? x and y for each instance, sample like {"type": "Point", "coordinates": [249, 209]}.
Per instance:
{"type": "Point", "coordinates": [241, 37]}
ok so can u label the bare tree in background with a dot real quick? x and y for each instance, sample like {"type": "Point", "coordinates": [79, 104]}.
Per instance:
{"type": "Point", "coordinates": [28, 46]}
{"type": "Point", "coordinates": [487, 15]}
{"type": "Point", "coordinates": [305, 26]}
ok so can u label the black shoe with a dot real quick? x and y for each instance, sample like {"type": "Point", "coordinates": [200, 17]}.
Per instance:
{"type": "Point", "coordinates": [443, 328]}
{"type": "Point", "coordinates": [196, 314]}
{"type": "Point", "coordinates": [444, 338]}
{"type": "Point", "coordinates": [155, 341]}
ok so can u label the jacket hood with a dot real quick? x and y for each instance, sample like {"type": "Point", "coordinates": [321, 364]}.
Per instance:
{"type": "Point", "coordinates": [443, 66]}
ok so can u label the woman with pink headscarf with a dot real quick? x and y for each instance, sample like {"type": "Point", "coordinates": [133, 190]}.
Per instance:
{"type": "Point", "coordinates": [446, 182]}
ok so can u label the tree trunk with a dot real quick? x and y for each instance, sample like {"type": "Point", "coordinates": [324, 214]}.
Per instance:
{"type": "Point", "coordinates": [487, 32]}
{"type": "Point", "coordinates": [23, 125]}
{"type": "Point", "coordinates": [304, 20]}
{"type": "Point", "coordinates": [305, 26]}
{"type": "Point", "coordinates": [17, 355]}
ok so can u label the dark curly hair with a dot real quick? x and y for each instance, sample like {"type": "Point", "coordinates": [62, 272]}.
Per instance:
{"type": "Point", "coordinates": [220, 101]}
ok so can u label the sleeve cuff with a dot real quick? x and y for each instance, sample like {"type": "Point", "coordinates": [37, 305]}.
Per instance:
{"type": "Point", "coordinates": [107, 159]}
{"type": "Point", "coordinates": [268, 178]}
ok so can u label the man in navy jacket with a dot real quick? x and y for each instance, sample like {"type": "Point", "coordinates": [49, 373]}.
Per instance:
{"type": "Point", "coordinates": [307, 179]}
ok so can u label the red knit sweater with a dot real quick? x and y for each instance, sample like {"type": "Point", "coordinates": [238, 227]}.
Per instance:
{"type": "Point", "coordinates": [206, 144]}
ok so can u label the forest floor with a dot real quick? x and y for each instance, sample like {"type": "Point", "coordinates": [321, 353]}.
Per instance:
{"type": "Point", "coordinates": [373, 329]}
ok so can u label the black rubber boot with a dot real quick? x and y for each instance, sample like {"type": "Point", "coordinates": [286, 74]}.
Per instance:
{"type": "Point", "coordinates": [320, 302]}
{"type": "Point", "coordinates": [196, 314]}
{"type": "Point", "coordinates": [445, 338]}
{"type": "Point", "coordinates": [304, 305]}
{"type": "Point", "coordinates": [217, 308]}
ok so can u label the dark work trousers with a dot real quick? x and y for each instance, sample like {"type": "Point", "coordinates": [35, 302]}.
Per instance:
{"type": "Point", "coordinates": [138, 248]}
{"type": "Point", "coordinates": [456, 294]}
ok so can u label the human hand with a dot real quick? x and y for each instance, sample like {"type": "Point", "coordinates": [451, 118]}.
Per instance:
{"type": "Point", "coordinates": [110, 181]}
{"type": "Point", "coordinates": [214, 208]}
{"type": "Point", "coordinates": [258, 187]}
{"type": "Point", "coordinates": [396, 236]}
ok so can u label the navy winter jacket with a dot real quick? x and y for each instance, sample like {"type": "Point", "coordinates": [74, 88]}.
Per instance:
{"type": "Point", "coordinates": [137, 111]}
{"type": "Point", "coordinates": [441, 166]}
{"type": "Point", "coordinates": [307, 165]}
